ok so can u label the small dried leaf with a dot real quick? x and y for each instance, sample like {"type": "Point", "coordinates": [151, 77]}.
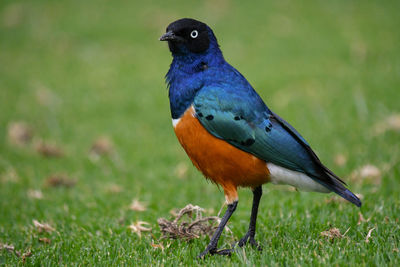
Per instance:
{"type": "Point", "coordinates": [19, 133]}
{"type": "Point", "coordinates": [45, 240]}
{"type": "Point", "coordinates": [10, 175]}
{"type": "Point", "coordinates": [361, 219]}
{"type": "Point", "coordinates": [332, 233]}
{"type": "Point", "coordinates": [340, 160]}
{"type": "Point", "coordinates": [136, 205]}
{"type": "Point", "coordinates": [369, 173]}
{"type": "Point", "coordinates": [35, 194]}
{"type": "Point", "coordinates": [386, 219]}
{"type": "Point", "coordinates": [26, 255]}
{"type": "Point", "coordinates": [358, 50]}
{"type": "Point", "coordinates": [158, 246]}
{"type": "Point", "coordinates": [114, 188]}
{"type": "Point", "coordinates": [369, 235]}
{"type": "Point", "coordinates": [392, 122]}
{"type": "Point", "coordinates": [48, 149]}
{"type": "Point", "coordinates": [288, 188]}
{"type": "Point", "coordinates": [9, 248]}
{"type": "Point", "coordinates": [181, 170]}
{"type": "Point", "coordinates": [56, 180]}
{"type": "Point", "coordinates": [13, 14]}
{"type": "Point", "coordinates": [360, 196]}
{"type": "Point", "coordinates": [138, 227]}
{"type": "Point", "coordinates": [43, 227]}
{"type": "Point", "coordinates": [174, 212]}
{"type": "Point", "coordinates": [102, 146]}
{"type": "Point", "coordinates": [46, 97]}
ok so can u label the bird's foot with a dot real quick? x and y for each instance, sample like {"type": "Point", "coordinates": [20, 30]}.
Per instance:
{"type": "Point", "coordinates": [213, 251]}
{"type": "Point", "coordinates": [249, 239]}
{"type": "Point", "coordinates": [208, 250]}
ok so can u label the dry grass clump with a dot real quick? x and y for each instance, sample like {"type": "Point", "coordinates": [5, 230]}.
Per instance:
{"type": "Point", "coordinates": [188, 227]}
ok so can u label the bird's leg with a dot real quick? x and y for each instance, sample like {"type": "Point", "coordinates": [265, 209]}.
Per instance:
{"type": "Point", "coordinates": [249, 237]}
{"type": "Point", "coordinates": [212, 246]}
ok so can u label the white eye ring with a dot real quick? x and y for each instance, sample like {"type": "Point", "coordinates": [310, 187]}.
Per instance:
{"type": "Point", "coordinates": [194, 34]}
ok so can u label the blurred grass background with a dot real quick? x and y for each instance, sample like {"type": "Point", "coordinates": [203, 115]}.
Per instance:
{"type": "Point", "coordinates": [77, 70]}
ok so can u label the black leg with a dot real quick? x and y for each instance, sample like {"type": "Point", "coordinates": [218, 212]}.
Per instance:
{"type": "Point", "coordinates": [249, 237]}
{"type": "Point", "coordinates": [212, 246]}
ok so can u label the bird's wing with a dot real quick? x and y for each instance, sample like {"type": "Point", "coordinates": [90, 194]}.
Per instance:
{"type": "Point", "coordinates": [242, 119]}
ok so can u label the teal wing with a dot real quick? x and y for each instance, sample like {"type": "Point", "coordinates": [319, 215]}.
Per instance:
{"type": "Point", "coordinates": [242, 119]}
{"type": "Point", "coordinates": [252, 127]}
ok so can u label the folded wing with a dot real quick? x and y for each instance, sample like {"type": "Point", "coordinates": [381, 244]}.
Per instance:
{"type": "Point", "coordinates": [243, 120]}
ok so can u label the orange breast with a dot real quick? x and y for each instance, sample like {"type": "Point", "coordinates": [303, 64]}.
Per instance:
{"type": "Point", "coordinates": [218, 160]}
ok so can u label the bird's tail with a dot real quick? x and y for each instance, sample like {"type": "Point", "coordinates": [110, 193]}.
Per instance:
{"type": "Point", "coordinates": [348, 195]}
{"type": "Point", "coordinates": [338, 187]}
{"type": "Point", "coordinates": [329, 179]}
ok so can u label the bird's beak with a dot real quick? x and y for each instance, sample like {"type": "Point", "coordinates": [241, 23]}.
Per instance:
{"type": "Point", "coordinates": [168, 36]}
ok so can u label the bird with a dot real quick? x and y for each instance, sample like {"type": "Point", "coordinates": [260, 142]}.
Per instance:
{"type": "Point", "coordinates": [230, 134]}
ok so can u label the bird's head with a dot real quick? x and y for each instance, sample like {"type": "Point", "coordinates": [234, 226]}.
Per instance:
{"type": "Point", "coordinates": [189, 36]}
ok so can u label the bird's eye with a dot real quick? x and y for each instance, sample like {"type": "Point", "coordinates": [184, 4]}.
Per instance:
{"type": "Point", "coordinates": [194, 34]}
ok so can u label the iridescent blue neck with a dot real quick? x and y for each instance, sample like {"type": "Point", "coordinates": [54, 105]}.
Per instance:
{"type": "Point", "coordinates": [187, 73]}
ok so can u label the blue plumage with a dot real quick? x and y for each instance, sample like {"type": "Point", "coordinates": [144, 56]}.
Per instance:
{"type": "Point", "coordinates": [239, 115]}
{"type": "Point", "coordinates": [187, 75]}
{"type": "Point", "coordinates": [228, 108]}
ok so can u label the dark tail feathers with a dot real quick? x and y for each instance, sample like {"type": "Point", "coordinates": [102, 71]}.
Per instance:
{"type": "Point", "coordinates": [338, 187]}
{"type": "Point", "coordinates": [348, 195]}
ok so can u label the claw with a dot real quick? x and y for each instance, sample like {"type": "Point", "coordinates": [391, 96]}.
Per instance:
{"type": "Point", "coordinates": [248, 239]}
{"type": "Point", "coordinates": [225, 252]}
{"type": "Point", "coordinates": [244, 240]}
{"type": "Point", "coordinates": [255, 244]}
{"type": "Point", "coordinates": [208, 250]}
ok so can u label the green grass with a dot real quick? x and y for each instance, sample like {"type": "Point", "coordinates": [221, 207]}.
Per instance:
{"type": "Point", "coordinates": [331, 68]}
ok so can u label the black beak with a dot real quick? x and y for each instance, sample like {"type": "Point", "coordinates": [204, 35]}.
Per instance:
{"type": "Point", "coordinates": [168, 36]}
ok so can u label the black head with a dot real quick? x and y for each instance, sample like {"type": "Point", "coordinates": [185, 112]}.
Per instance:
{"type": "Point", "coordinates": [188, 33]}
